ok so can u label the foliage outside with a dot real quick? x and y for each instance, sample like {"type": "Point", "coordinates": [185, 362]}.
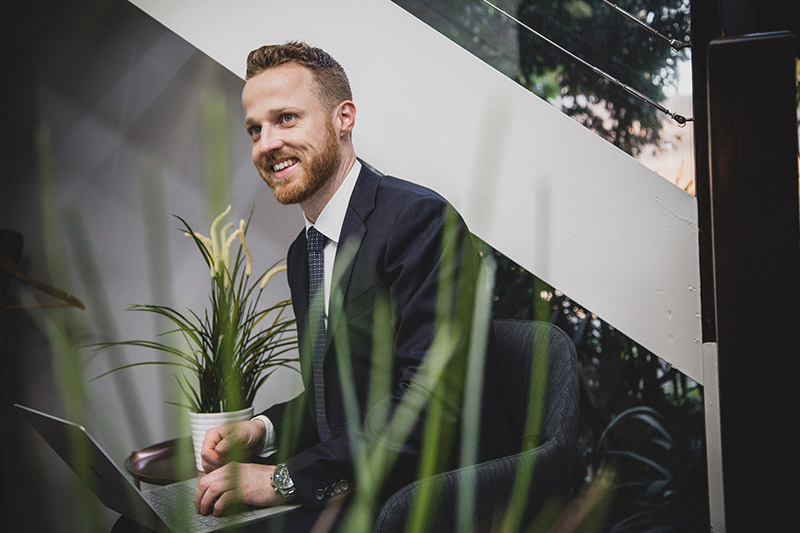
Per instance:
{"type": "Point", "coordinates": [235, 348]}
{"type": "Point", "coordinates": [594, 32]}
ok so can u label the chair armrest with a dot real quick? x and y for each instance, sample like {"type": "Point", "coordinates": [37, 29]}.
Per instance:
{"type": "Point", "coordinates": [491, 482]}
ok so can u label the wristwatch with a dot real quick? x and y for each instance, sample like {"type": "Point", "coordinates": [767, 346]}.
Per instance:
{"type": "Point", "coordinates": [282, 482]}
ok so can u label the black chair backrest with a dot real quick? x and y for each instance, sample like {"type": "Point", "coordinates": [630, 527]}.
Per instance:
{"type": "Point", "coordinates": [518, 343]}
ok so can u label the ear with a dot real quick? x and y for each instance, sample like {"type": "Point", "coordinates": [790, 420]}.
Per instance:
{"type": "Point", "coordinates": [345, 117]}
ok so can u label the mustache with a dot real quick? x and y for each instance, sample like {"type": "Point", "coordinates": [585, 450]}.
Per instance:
{"type": "Point", "coordinates": [283, 154]}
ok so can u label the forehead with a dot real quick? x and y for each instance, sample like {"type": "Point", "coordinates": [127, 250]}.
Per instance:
{"type": "Point", "coordinates": [287, 85]}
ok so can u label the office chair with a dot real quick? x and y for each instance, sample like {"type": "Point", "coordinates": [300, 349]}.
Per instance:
{"type": "Point", "coordinates": [551, 454]}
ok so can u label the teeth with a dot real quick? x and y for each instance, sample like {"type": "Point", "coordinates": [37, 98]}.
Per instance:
{"type": "Point", "coordinates": [284, 164]}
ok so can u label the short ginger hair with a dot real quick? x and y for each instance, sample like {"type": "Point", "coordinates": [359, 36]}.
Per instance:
{"type": "Point", "coordinates": [331, 79]}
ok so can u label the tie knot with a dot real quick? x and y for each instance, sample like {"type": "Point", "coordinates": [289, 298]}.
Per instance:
{"type": "Point", "coordinates": [316, 240]}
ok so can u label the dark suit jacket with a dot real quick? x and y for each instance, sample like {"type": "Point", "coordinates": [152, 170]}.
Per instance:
{"type": "Point", "coordinates": [406, 268]}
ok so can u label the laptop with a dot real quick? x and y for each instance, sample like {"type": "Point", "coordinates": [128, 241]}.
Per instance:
{"type": "Point", "coordinates": [166, 508]}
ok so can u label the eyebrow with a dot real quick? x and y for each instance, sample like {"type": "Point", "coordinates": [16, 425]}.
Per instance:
{"type": "Point", "coordinates": [248, 121]}
{"type": "Point", "coordinates": [290, 109]}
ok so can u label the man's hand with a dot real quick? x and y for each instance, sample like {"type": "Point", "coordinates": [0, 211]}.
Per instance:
{"type": "Point", "coordinates": [236, 483]}
{"type": "Point", "coordinates": [239, 441]}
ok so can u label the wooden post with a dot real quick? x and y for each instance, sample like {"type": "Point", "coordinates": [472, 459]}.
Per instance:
{"type": "Point", "coordinates": [753, 160]}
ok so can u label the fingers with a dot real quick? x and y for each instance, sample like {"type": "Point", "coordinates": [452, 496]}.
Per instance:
{"type": "Point", "coordinates": [212, 451]}
{"type": "Point", "coordinates": [210, 463]}
{"type": "Point", "coordinates": [232, 442]}
{"type": "Point", "coordinates": [209, 489]}
{"type": "Point", "coordinates": [226, 500]}
{"type": "Point", "coordinates": [234, 483]}
{"type": "Point", "coordinates": [218, 491]}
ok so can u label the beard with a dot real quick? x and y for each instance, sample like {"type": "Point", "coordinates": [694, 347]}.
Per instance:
{"type": "Point", "coordinates": [319, 168]}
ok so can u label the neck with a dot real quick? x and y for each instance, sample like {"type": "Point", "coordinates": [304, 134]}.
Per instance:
{"type": "Point", "coordinates": [313, 206]}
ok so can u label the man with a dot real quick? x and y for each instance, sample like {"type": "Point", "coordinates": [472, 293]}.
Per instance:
{"type": "Point", "coordinates": [384, 342]}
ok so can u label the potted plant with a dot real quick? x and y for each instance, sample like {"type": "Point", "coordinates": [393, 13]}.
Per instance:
{"type": "Point", "coordinates": [233, 346]}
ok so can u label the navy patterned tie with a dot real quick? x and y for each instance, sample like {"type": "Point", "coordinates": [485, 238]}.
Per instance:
{"type": "Point", "coordinates": [316, 321]}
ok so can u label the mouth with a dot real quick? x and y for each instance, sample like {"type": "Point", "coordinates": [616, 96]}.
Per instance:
{"type": "Point", "coordinates": [283, 165]}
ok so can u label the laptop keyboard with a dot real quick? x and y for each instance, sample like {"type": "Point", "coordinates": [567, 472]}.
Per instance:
{"type": "Point", "coordinates": [175, 504]}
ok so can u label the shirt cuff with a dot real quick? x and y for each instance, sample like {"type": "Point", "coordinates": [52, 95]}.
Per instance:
{"type": "Point", "coordinates": [269, 442]}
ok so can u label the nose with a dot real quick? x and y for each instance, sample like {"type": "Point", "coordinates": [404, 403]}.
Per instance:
{"type": "Point", "coordinates": [269, 141]}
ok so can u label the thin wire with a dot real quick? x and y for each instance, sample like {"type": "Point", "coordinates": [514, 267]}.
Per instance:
{"type": "Point", "coordinates": [681, 120]}
{"type": "Point", "coordinates": [674, 43]}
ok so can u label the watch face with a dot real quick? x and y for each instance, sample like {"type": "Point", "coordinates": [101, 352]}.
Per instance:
{"type": "Point", "coordinates": [282, 479]}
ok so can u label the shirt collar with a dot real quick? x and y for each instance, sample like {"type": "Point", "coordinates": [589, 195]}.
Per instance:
{"type": "Point", "coordinates": [330, 220]}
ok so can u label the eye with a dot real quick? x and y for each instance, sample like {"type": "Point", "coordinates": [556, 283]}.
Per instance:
{"type": "Point", "coordinates": [286, 118]}
{"type": "Point", "coordinates": [254, 131]}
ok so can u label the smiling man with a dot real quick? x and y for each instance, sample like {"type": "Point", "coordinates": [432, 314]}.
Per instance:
{"type": "Point", "coordinates": [383, 281]}
{"type": "Point", "coordinates": [301, 139]}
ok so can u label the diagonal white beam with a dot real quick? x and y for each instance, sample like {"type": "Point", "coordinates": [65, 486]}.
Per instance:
{"type": "Point", "coordinates": [554, 197]}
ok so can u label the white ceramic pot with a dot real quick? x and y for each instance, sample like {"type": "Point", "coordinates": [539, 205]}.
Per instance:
{"type": "Point", "coordinates": [202, 422]}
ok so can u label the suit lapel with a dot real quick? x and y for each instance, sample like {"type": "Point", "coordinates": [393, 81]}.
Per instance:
{"type": "Point", "coordinates": [362, 202]}
{"type": "Point", "coordinates": [297, 268]}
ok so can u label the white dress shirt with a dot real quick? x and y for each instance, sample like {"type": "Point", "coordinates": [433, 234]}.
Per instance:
{"type": "Point", "coordinates": [329, 223]}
